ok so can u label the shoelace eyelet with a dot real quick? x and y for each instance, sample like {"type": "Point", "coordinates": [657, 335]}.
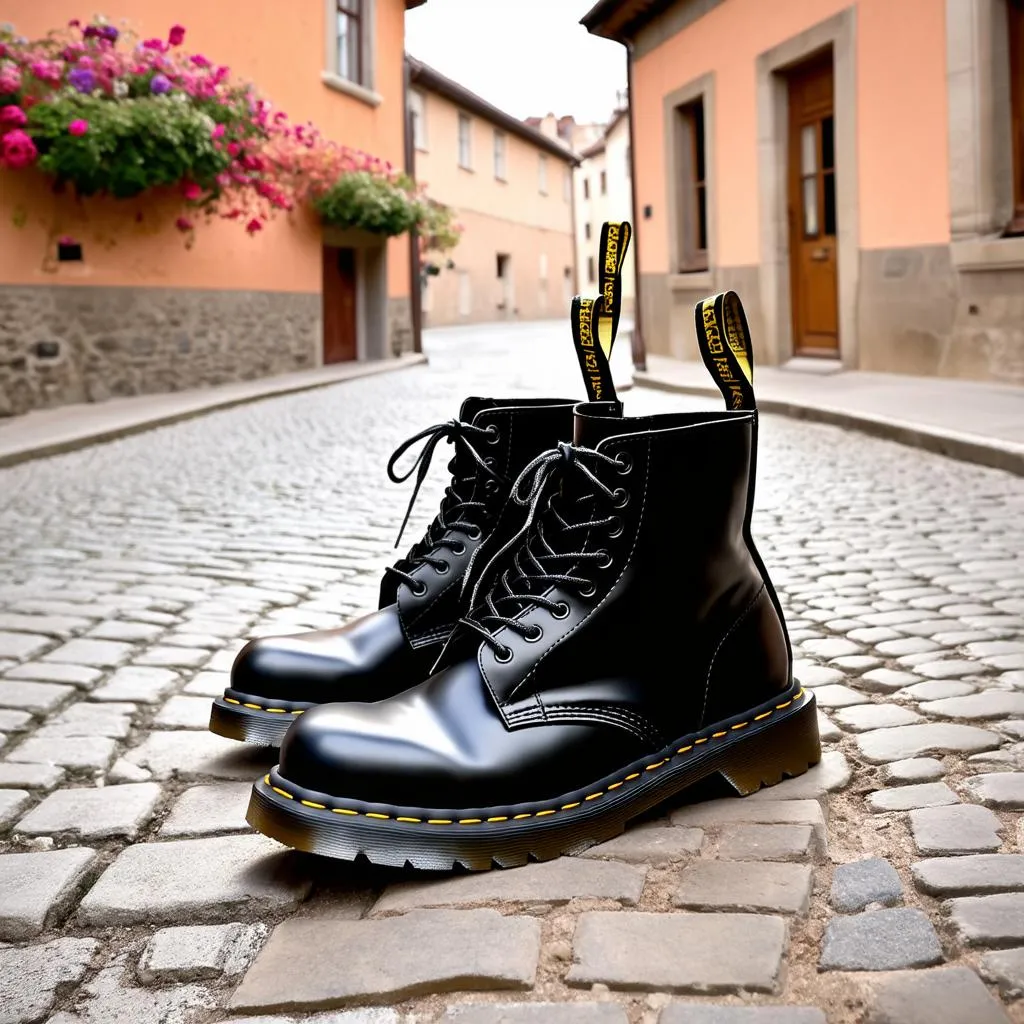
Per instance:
{"type": "Point", "coordinates": [605, 562]}
{"type": "Point", "coordinates": [418, 588]}
{"type": "Point", "coordinates": [474, 533]}
{"type": "Point", "coordinates": [615, 526]}
{"type": "Point", "coordinates": [589, 591]}
{"type": "Point", "coordinates": [493, 434]}
{"type": "Point", "coordinates": [458, 549]}
{"type": "Point", "coordinates": [625, 461]}
{"type": "Point", "coordinates": [503, 656]}
{"type": "Point", "coordinates": [532, 638]}
{"type": "Point", "coordinates": [441, 571]}
{"type": "Point", "coordinates": [620, 497]}
{"type": "Point", "coordinates": [560, 611]}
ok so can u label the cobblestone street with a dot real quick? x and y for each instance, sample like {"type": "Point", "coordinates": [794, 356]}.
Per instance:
{"type": "Point", "coordinates": [885, 886]}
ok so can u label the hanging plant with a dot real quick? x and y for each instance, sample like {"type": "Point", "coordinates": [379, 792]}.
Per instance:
{"type": "Point", "coordinates": [371, 202]}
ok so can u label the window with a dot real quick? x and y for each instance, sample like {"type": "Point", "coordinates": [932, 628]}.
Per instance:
{"type": "Point", "coordinates": [418, 113]}
{"type": "Point", "coordinates": [591, 276]}
{"type": "Point", "coordinates": [348, 54]}
{"type": "Point", "coordinates": [500, 157]}
{"type": "Point", "coordinates": [692, 201]}
{"type": "Point", "coordinates": [465, 142]}
{"type": "Point", "coordinates": [604, 183]}
{"type": "Point", "coordinates": [1016, 14]}
{"type": "Point", "coordinates": [586, 188]}
{"type": "Point", "coordinates": [503, 259]}
{"type": "Point", "coordinates": [544, 267]}
{"type": "Point", "coordinates": [542, 175]}
{"type": "Point", "coordinates": [586, 232]}
{"type": "Point", "coordinates": [567, 186]}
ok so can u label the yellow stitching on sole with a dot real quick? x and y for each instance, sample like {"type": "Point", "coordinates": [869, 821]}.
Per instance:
{"type": "Point", "coordinates": [703, 739]}
{"type": "Point", "coordinates": [767, 714]}
{"type": "Point", "coordinates": [630, 778]}
{"type": "Point", "coordinates": [543, 814]}
{"type": "Point", "coordinates": [344, 810]}
{"type": "Point", "coordinates": [718, 735]}
{"type": "Point", "coordinates": [470, 821]}
{"type": "Point", "coordinates": [276, 711]}
{"type": "Point", "coordinates": [779, 707]}
{"type": "Point", "coordinates": [256, 706]}
{"type": "Point", "coordinates": [615, 785]}
{"type": "Point", "coordinates": [282, 792]}
{"type": "Point", "coordinates": [569, 807]}
{"type": "Point", "coordinates": [498, 819]}
{"type": "Point", "coordinates": [266, 779]}
{"type": "Point", "coordinates": [519, 817]}
{"type": "Point", "coordinates": [683, 750]}
{"type": "Point", "coordinates": [309, 803]}
{"type": "Point", "coordinates": [594, 796]}
{"type": "Point", "coordinates": [439, 821]}
{"type": "Point", "coordinates": [381, 817]}
{"type": "Point", "coordinates": [739, 725]}
{"type": "Point", "coordinates": [231, 700]}
{"type": "Point", "coordinates": [412, 821]}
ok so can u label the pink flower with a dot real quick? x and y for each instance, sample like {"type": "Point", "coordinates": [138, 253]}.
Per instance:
{"type": "Point", "coordinates": [78, 127]}
{"type": "Point", "coordinates": [155, 44]}
{"type": "Point", "coordinates": [200, 61]}
{"type": "Point", "coordinates": [234, 149]}
{"type": "Point", "coordinates": [253, 226]}
{"type": "Point", "coordinates": [10, 78]}
{"type": "Point", "coordinates": [74, 23]}
{"type": "Point", "coordinates": [67, 240]}
{"type": "Point", "coordinates": [191, 191]}
{"type": "Point", "coordinates": [183, 224]}
{"type": "Point", "coordinates": [177, 35]}
{"type": "Point", "coordinates": [17, 150]}
{"type": "Point", "coordinates": [46, 71]}
{"type": "Point", "coordinates": [12, 117]}
{"type": "Point", "coordinates": [218, 131]}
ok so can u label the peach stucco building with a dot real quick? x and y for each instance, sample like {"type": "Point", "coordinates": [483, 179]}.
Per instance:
{"type": "Point", "coordinates": [855, 170]}
{"type": "Point", "coordinates": [140, 313]}
{"type": "Point", "coordinates": [511, 186]}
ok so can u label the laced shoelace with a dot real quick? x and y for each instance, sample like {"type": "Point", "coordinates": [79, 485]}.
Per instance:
{"type": "Point", "coordinates": [456, 510]}
{"type": "Point", "coordinates": [536, 559]}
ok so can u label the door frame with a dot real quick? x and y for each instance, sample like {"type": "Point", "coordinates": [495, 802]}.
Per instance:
{"type": "Point", "coordinates": [372, 327]}
{"type": "Point", "coordinates": [837, 33]}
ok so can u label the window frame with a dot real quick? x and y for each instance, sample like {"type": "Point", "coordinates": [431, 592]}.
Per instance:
{"type": "Point", "coordinates": [1015, 34]}
{"type": "Point", "coordinates": [586, 188]}
{"type": "Point", "coordinates": [500, 148]}
{"type": "Point", "coordinates": [690, 140]}
{"type": "Point", "coordinates": [591, 270]}
{"type": "Point", "coordinates": [464, 119]}
{"type": "Point", "coordinates": [604, 183]}
{"type": "Point", "coordinates": [418, 99]}
{"type": "Point", "coordinates": [542, 173]}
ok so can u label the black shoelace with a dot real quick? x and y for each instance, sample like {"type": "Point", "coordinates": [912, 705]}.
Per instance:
{"type": "Point", "coordinates": [457, 512]}
{"type": "Point", "coordinates": [536, 561]}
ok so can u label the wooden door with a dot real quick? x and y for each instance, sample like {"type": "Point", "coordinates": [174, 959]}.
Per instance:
{"type": "Point", "coordinates": [339, 305]}
{"type": "Point", "coordinates": [812, 210]}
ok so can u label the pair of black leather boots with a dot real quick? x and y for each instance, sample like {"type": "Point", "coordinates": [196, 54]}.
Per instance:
{"type": "Point", "coordinates": [585, 630]}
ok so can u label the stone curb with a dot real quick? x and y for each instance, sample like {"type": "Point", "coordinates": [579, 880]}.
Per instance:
{"type": "Point", "coordinates": [216, 400]}
{"type": "Point", "coordinates": [964, 447]}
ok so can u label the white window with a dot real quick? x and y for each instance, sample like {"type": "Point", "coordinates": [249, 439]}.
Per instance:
{"type": "Point", "coordinates": [349, 24]}
{"type": "Point", "coordinates": [465, 295]}
{"type": "Point", "coordinates": [500, 155]}
{"type": "Point", "coordinates": [418, 112]}
{"type": "Point", "coordinates": [542, 175]}
{"type": "Point", "coordinates": [465, 142]}
{"type": "Point", "coordinates": [567, 186]}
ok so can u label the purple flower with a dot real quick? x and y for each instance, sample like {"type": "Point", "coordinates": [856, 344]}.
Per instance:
{"type": "Point", "coordinates": [82, 79]}
{"type": "Point", "coordinates": [110, 33]}
{"type": "Point", "coordinates": [159, 84]}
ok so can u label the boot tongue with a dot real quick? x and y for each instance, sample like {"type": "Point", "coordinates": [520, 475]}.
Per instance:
{"type": "Point", "coordinates": [594, 421]}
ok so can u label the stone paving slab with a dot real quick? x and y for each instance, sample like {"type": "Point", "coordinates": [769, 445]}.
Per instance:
{"type": "Point", "coordinates": [197, 952]}
{"type": "Point", "coordinates": [93, 813]}
{"type": "Point", "coordinates": [654, 843]}
{"type": "Point", "coordinates": [880, 940]}
{"type": "Point", "coordinates": [30, 977]}
{"type": "Point", "coordinates": [308, 965]}
{"type": "Point", "coordinates": [989, 920]}
{"type": "Point", "coordinates": [208, 810]}
{"type": "Point", "coordinates": [771, 888]}
{"type": "Point", "coordinates": [678, 952]}
{"type": "Point", "coordinates": [39, 889]}
{"type": "Point", "coordinates": [1005, 967]}
{"type": "Point", "coordinates": [857, 885]}
{"type": "Point", "coordinates": [959, 829]}
{"type": "Point", "coordinates": [945, 995]}
{"type": "Point", "coordinates": [970, 875]}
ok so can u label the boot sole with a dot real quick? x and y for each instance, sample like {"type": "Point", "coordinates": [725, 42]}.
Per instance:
{"type": "Point", "coordinates": [761, 748]}
{"type": "Point", "coordinates": [250, 723]}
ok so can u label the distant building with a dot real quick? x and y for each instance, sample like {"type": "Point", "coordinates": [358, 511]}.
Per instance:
{"type": "Point", "coordinates": [604, 193]}
{"type": "Point", "coordinates": [853, 168]}
{"type": "Point", "coordinates": [512, 187]}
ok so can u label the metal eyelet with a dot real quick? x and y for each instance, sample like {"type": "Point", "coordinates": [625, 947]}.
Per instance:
{"type": "Point", "coordinates": [560, 611]}
{"type": "Point", "coordinates": [620, 497]}
{"type": "Point", "coordinates": [504, 656]}
{"type": "Point", "coordinates": [491, 487]}
{"type": "Point", "coordinates": [418, 588]}
{"type": "Point", "coordinates": [493, 434]}
{"type": "Point", "coordinates": [625, 461]}
{"type": "Point", "coordinates": [532, 638]}
{"type": "Point", "coordinates": [459, 549]}
{"type": "Point", "coordinates": [474, 533]}
{"type": "Point", "coordinates": [615, 526]}
{"type": "Point", "coordinates": [605, 562]}
{"type": "Point", "coordinates": [440, 571]}
{"type": "Point", "coordinates": [589, 591]}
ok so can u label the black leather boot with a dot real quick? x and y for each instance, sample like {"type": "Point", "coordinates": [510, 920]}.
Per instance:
{"type": "Point", "coordinates": [276, 679]}
{"type": "Point", "coordinates": [626, 646]}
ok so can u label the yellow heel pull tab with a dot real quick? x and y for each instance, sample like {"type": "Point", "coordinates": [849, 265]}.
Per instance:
{"type": "Point", "coordinates": [723, 338]}
{"type": "Point", "coordinates": [597, 374]}
{"type": "Point", "coordinates": [615, 236]}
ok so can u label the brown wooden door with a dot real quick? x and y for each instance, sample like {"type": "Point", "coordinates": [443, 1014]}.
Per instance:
{"type": "Point", "coordinates": [812, 210]}
{"type": "Point", "coordinates": [339, 305]}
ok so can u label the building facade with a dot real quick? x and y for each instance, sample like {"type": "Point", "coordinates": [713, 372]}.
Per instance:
{"type": "Point", "coordinates": [137, 312]}
{"type": "Point", "coordinates": [855, 170]}
{"type": "Point", "coordinates": [511, 186]}
{"type": "Point", "coordinates": [603, 187]}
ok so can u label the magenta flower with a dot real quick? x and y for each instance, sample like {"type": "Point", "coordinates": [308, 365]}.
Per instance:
{"type": "Point", "coordinates": [17, 150]}
{"type": "Point", "coordinates": [155, 44]}
{"type": "Point", "coordinates": [12, 117]}
{"type": "Point", "coordinates": [46, 71]}
{"type": "Point", "coordinates": [200, 61]}
{"type": "Point", "coordinates": [159, 84]}
{"type": "Point", "coordinates": [183, 224]}
{"type": "Point", "coordinates": [10, 78]}
{"type": "Point", "coordinates": [78, 127]}
{"type": "Point", "coordinates": [218, 131]}
{"type": "Point", "coordinates": [191, 191]}
{"type": "Point", "coordinates": [253, 226]}
{"type": "Point", "coordinates": [177, 35]}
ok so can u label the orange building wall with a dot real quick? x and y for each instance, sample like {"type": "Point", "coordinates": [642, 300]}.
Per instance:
{"type": "Point", "coordinates": [901, 111]}
{"type": "Point", "coordinates": [278, 46]}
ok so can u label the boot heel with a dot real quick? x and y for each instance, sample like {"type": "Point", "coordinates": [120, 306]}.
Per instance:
{"type": "Point", "coordinates": [784, 750]}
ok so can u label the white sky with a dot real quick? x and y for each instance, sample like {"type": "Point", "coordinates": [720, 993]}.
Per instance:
{"type": "Point", "coordinates": [528, 57]}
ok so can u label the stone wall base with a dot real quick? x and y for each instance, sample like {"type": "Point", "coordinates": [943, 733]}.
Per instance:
{"type": "Point", "coordinates": [86, 344]}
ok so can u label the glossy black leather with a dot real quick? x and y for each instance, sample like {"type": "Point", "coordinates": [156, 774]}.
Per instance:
{"type": "Point", "coordinates": [390, 649]}
{"type": "Point", "coordinates": [682, 630]}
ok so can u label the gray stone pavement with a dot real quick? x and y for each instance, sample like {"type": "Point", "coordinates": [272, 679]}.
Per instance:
{"type": "Point", "coordinates": [884, 886]}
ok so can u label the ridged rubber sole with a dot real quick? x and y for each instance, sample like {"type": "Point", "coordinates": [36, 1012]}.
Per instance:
{"type": "Point", "coordinates": [237, 721]}
{"type": "Point", "coordinates": [761, 748]}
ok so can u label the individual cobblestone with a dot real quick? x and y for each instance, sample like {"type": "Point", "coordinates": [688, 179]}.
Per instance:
{"type": "Point", "coordinates": [654, 843]}
{"type": "Point", "coordinates": [959, 829]}
{"type": "Point", "coordinates": [831, 773]}
{"type": "Point", "coordinates": [767, 842]}
{"type": "Point", "coordinates": [864, 717]}
{"type": "Point", "coordinates": [310, 965]}
{"type": "Point", "coordinates": [905, 798]}
{"type": "Point", "coordinates": [94, 653]}
{"type": "Point", "coordinates": [30, 977]}
{"type": "Point", "coordinates": [945, 995]}
{"type": "Point", "coordinates": [989, 920]}
{"type": "Point", "coordinates": [857, 885]}
{"type": "Point", "coordinates": [193, 754]}
{"type": "Point", "coordinates": [882, 745]}
{"type": "Point", "coordinates": [184, 713]}
{"type": "Point", "coordinates": [32, 696]}
{"type": "Point", "coordinates": [970, 875]}
{"type": "Point", "coordinates": [989, 704]}
{"type": "Point", "coordinates": [73, 752]}
{"type": "Point", "coordinates": [198, 952]}
{"type": "Point", "coordinates": [208, 810]}
{"type": "Point", "coordinates": [913, 770]}
{"type": "Point", "coordinates": [937, 689]}
{"type": "Point", "coordinates": [880, 940]}
{"type": "Point", "coordinates": [30, 776]}
{"type": "Point", "coordinates": [738, 885]}
{"type": "Point", "coordinates": [21, 646]}
{"type": "Point", "coordinates": [84, 719]}
{"type": "Point", "coordinates": [678, 952]}
{"type": "Point", "coordinates": [137, 684]}
{"type": "Point", "coordinates": [1001, 789]}
{"type": "Point", "coordinates": [39, 889]}
{"type": "Point", "coordinates": [12, 803]}
{"type": "Point", "coordinates": [1005, 967]}
{"type": "Point", "coordinates": [93, 813]}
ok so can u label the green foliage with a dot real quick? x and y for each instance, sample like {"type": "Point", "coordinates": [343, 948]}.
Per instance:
{"type": "Point", "coordinates": [360, 199]}
{"type": "Point", "coordinates": [131, 145]}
